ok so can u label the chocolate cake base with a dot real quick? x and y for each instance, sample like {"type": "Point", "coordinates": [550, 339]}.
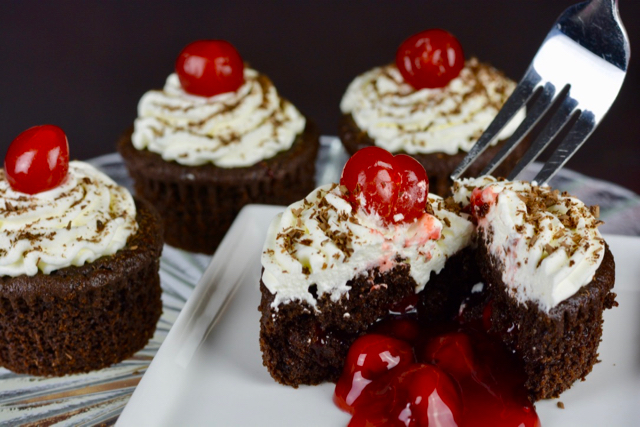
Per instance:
{"type": "Point", "coordinates": [559, 347]}
{"type": "Point", "coordinates": [305, 345]}
{"type": "Point", "coordinates": [79, 319]}
{"type": "Point", "coordinates": [439, 166]}
{"type": "Point", "coordinates": [440, 300]}
{"type": "Point", "coordinates": [199, 203]}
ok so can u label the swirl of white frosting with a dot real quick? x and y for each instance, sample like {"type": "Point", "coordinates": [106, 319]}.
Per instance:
{"type": "Point", "coordinates": [400, 118]}
{"type": "Point", "coordinates": [86, 217]}
{"type": "Point", "coordinates": [548, 242]}
{"type": "Point", "coordinates": [321, 241]}
{"type": "Point", "coordinates": [232, 129]}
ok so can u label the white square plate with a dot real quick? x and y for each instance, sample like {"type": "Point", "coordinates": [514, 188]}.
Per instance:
{"type": "Point", "coordinates": [209, 369]}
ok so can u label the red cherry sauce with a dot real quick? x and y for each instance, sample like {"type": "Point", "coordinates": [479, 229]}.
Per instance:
{"type": "Point", "coordinates": [456, 375]}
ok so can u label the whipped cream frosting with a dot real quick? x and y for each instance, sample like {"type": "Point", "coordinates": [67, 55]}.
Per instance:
{"type": "Point", "coordinates": [400, 118]}
{"type": "Point", "coordinates": [548, 242]}
{"type": "Point", "coordinates": [84, 218]}
{"type": "Point", "coordinates": [321, 240]}
{"type": "Point", "coordinates": [232, 129]}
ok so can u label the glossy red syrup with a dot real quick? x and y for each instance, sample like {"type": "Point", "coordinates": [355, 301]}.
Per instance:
{"type": "Point", "coordinates": [393, 187]}
{"type": "Point", "coordinates": [456, 375]}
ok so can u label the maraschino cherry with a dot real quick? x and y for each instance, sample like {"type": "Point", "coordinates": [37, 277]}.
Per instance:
{"type": "Point", "coordinates": [451, 352]}
{"type": "Point", "coordinates": [210, 67]}
{"type": "Point", "coordinates": [394, 187]}
{"type": "Point", "coordinates": [430, 59]}
{"type": "Point", "coordinates": [37, 160]}
{"type": "Point", "coordinates": [369, 357]}
{"type": "Point", "coordinates": [381, 385]}
{"type": "Point", "coordinates": [448, 375]}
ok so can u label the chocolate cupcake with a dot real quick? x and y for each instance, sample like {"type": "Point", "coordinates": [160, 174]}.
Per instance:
{"type": "Point", "coordinates": [548, 278]}
{"type": "Point", "coordinates": [79, 283]}
{"type": "Point", "coordinates": [436, 122]}
{"type": "Point", "coordinates": [200, 156]}
{"type": "Point", "coordinates": [330, 272]}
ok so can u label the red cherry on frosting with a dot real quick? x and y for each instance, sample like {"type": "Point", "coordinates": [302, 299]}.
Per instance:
{"type": "Point", "coordinates": [430, 59]}
{"type": "Point", "coordinates": [394, 187]}
{"type": "Point", "coordinates": [210, 67]}
{"type": "Point", "coordinates": [37, 160]}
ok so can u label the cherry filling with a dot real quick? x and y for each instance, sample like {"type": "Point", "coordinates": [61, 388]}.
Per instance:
{"type": "Point", "coordinates": [370, 357]}
{"type": "Point", "coordinates": [481, 201]}
{"type": "Point", "coordinates": [449, 375]}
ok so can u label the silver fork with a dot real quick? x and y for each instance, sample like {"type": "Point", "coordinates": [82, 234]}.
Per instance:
{"type": "Point", "coordinates": [581, 65]}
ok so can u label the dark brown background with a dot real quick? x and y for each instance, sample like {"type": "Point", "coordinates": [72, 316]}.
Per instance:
{"type": "Point", "coordinates": [83, 65]}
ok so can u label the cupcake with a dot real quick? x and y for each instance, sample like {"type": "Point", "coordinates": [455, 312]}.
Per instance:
{"type": "Point", "coordinates": [217, 137]}
{"type": "Point", "coordinates": [373, 284]}
{"type": "Point", "coordinates": [549, 276]}
{"type": "Point", "coordinates": [79, 260]}
{"type": "Point", "coordinates": [337, 261]}
{"type": "Point", "coordinates": [430, 104]}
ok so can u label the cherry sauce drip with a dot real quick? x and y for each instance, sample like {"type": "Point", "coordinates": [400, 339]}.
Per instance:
{"type": "Point", "coordinates": [451, 374]}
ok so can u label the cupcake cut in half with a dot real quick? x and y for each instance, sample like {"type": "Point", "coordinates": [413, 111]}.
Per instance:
{"type": "Point", "coordinates": [548, 277]}
{"type": "Point", "coordinates": [336, 262]}
{"type": "Point", "coordinates": [430, 104]}
{"type": "Point", "coordinates": [215, 138]}
{"type": "Point", "coordinates": [469, 308]}
{"type": "Point", "coordinates": [79, 260]}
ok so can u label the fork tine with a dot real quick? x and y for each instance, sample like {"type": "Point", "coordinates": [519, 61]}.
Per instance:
{"type": "Point", "coordinates": [522, 93]}
{"type": "Point", "coordinates": [557, 122]}
{"type": "Point", "coordinates": [541, 105]}
{"type": "Point", "coordinates": [578, 134]}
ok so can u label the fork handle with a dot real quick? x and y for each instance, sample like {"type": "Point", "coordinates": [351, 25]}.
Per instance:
{"type": "Point", "coordinates": [577, 21]}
